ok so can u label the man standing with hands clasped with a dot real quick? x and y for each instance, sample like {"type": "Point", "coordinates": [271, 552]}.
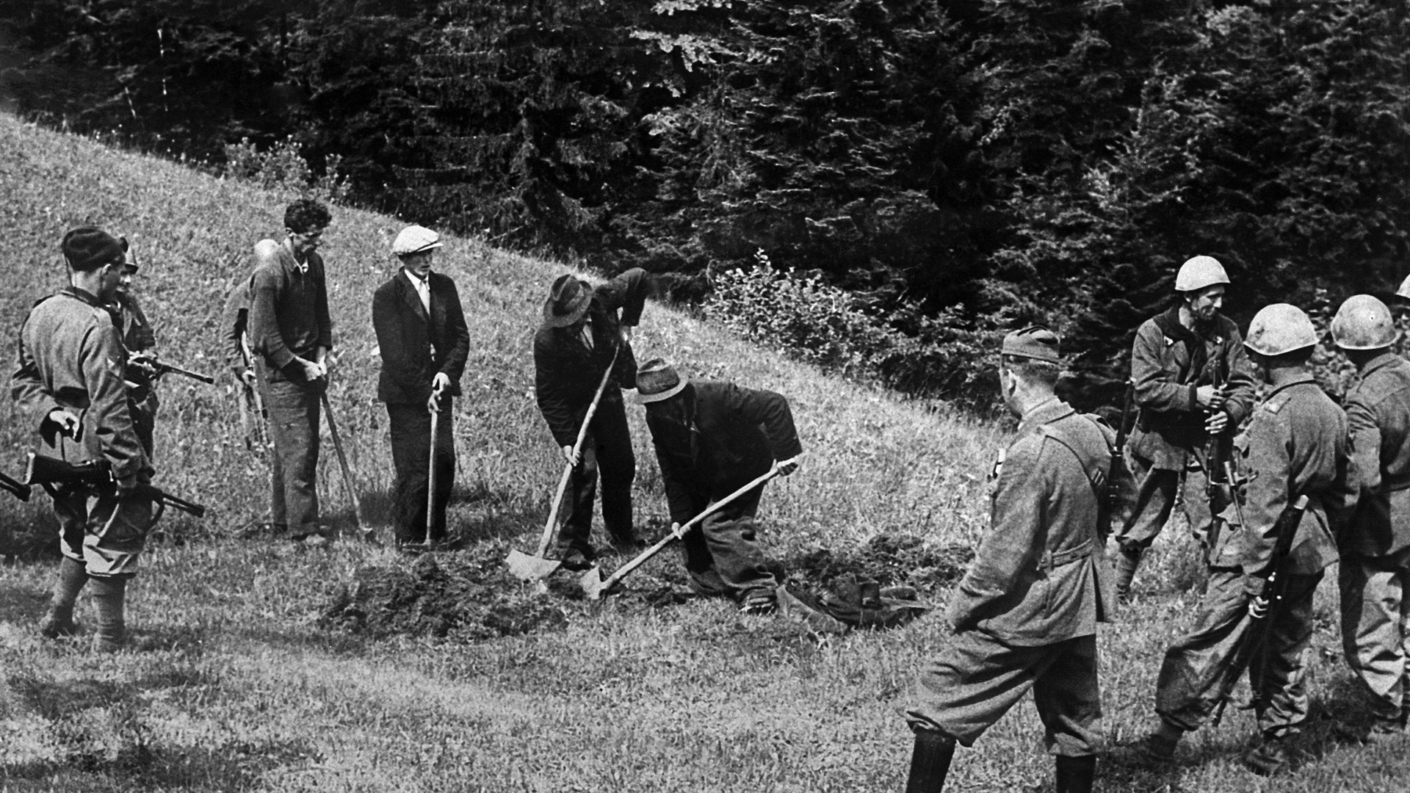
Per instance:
{"type": "Point", "coordinates": [291, 334]}
{"type": "Point", "coordinates": [423, 343]}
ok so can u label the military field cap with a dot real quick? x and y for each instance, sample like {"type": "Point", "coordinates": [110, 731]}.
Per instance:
{"type": "Point", "coordinates": [567, 301]}
{"type": "Point", "coordinates": [415, 239]}
{"type": "Point", "coordinates": [656, 381]}
{"type": "Point", "coordinates": [1280, 328]}
{"type": "Point", "coordinates": [1034, 341]}
{"type": "Point", "coordinates": [88, 248]}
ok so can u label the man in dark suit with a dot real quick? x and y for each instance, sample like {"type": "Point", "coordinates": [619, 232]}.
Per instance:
{"type": "Point", "coordinates": [423, 342]}
{"type": "Point", "coordinates": [573, 347]}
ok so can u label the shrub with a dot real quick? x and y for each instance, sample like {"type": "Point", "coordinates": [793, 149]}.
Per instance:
{"type": "Point", "coordinates": [284, 167]}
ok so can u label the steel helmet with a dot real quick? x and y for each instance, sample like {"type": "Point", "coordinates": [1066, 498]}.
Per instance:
{"type": "Point", "coordinates": [1280, 328]}
{"type": "Point", "coordinates": [1404, 290]}
{"type": "Point", "coordinates": [415, 239]}
{"type": "Point", "coordinates": [1200, 272]}
{"type": "Point", "coordinates": [1363, 323]}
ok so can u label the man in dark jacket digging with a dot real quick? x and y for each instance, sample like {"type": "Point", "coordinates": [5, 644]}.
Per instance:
{"type": "Point", "coordinates": [712, 439]}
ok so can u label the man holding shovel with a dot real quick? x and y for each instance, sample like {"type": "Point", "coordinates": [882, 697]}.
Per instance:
{"type": "Point", "coordinates": [423, 342]}
{"type": "Point", "coordinates": [711, 438]}
{"type": "Point", "coordinates": [575, 347]}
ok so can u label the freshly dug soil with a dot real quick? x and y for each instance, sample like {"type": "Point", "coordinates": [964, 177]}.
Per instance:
{"type": "Point", "coordinates": [890, 559]}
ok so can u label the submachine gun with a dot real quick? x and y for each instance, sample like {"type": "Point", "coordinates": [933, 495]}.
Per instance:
{"type": "Point", "coordinates": [17, 488]}
{"type": "Point", "coordinates": [1222, 481]}
{"type": "Point", "coordinates": [97, 475]}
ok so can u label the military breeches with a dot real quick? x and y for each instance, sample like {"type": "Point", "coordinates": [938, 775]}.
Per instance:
{"type": "Point", "coordinates": [607, 453]}
{"type": "Point", "coordinates": [411, 454]}
{"type": "Point", "coordinates": [294, 415]}
{"type": "Point", "coordinates": [1195, 674]}
{"type": "Point", "coordinates": [723, 555]}
{"type": "Point", "coordinates": [104, 534]}
{"type": "Point", "coordinates": [1155, 500]}
{"type": "Point", "coordinates": [977, 678]}
{"type": "Point", "coordinates": [1375, 630]}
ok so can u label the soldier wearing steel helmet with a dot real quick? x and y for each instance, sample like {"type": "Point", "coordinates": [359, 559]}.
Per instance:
{"type": "Point", "coordinates": [423, 343]}
{"type": "Point", "coordinates": [1295, 445]}
{"type": "Point", "coordinates": [1375, 548]}
{"type": "Point", "coordinates": [1191, 380]}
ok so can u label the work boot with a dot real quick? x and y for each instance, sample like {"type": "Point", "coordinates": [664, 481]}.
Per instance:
{"type": "Point", "coordinates": [1076, 774]}
{"type": "Point", "coordinates": [58, 621]}
{"type": "Point", "coordinates": [576, 559]}
{"type": "Point", "coordinates": [1269, 757]}
{"type": "Point", "coordinates": [1128, 558]}
{"type": "Point", "coordinates": [930, 762]}
{"type": "Point", "coordinates": [108, 595]}
{"type": "Point", "coordinates": [1159, 746]}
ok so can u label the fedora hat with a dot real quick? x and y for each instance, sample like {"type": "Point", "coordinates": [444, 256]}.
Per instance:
{"type": "Point", "coordinates": [567, 301]}
{"type": "Point", "coordinates": [656, 381]}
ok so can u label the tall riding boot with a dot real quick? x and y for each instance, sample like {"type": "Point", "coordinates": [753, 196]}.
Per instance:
{"type": "Point", "coordinates": [930, 762]}
{"type": "Point", "coordinates": [1076, 774]}
{"type": "Point", "coordinates": [108, 594]}
{"type": "Point", "coordinates": [1128, 558]}
{"type": "Point", "coordinates": [59, 619]}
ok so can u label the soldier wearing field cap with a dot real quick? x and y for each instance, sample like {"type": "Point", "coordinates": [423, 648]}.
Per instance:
{"type": "Point", "coordinates": [1191, 380]}
{"type": "Point", "coordinates": [1295, 445]}
{"type": "Point", "coordinates": [1375, 547]}
{"type": "Point", "coordinates": [711, 439]}
{"type": "Point", "coordinates": [423, 343]}
{"type": "Point", "coordinates": [69, 388]}
{"type": "Point", "coordinates": [1025, 615]}
{"type": "Point", "coordinates": [583, 327]}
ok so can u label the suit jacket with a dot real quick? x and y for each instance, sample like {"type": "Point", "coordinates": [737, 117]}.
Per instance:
{"type": "Point", "coordinates": [566, 372]}
{"type": "Point", "coordinates": [1034, 580]}
{"type": "Point", "coordinates": [1378, 412]}
{"type": "Point", "coordinates": [415, 347]}
{"type": "Point", "coordinates": [734, 434]}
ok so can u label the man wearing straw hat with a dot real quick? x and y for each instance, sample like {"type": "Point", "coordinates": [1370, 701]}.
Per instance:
{"type": "Point", "coordinates": [712, 438]}
{"type": "Point", "coordinates": [423, 343]}
{"type": "Point", "coordinates": [582, 335]}
{"type": "Point", "coordinates": [1025, 615]}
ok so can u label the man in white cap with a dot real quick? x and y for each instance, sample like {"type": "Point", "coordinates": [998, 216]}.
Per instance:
{"type": "Point", "coordinates": [1192, 382]}
{"type": "Point", "coordinates": [423, 343]}
{"type": "Point", "coordinates": [1375, 548]}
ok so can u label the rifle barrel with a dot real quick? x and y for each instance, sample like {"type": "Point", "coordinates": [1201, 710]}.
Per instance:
{"type": "Point", "coordinates": [173, 369]}
{"type": "Point", "coordinates": [15, 486]}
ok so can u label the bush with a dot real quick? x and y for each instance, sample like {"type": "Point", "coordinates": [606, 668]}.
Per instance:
{"type": "Point", "coordinates": [284, 167]}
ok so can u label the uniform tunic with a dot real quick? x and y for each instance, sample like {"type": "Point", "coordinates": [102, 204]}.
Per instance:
{"type": "Point", "coordinates": [1026, 612]}
{"type": "Point", "coordinates": [1296, 444]}
{"type": "Point", "coordinates": [1375, 547]}
{"type": "Point", "coordinates": [137, 336]}
{"type": "Point", "coordinates": [71, 357]}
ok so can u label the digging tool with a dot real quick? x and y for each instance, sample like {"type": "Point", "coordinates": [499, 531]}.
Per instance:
{"type": "Point", "coordinates": [343, 464]}
{"type": "Point", "coordinates": [431, 476]}
{"type": "Point", "coordinates": [595, 587]}
{"type": "Point", "coordinates": [536, 567]}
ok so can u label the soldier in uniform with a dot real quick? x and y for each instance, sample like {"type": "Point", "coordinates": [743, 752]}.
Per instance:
{"type": "Point", "coordinates": [1375, 548]}
{"type": "Point", "coordinates": [1175, 361]}
{"type": "Point", "coordinates": [69, 387]}
{"type": "Point", "coordinates": [1025, 615]}
{"type": "Point", "coordinates": [712, 439]}
{"type": "Point", "coordinates": [1295, 445]}
{"type": "Point", "coordinates": [573, 347]}
{"type": "Point", "coordinates": [141, 343]}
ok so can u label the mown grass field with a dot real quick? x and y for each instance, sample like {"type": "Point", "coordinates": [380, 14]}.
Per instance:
{"type": "Point", "coordinates": [236, 687]}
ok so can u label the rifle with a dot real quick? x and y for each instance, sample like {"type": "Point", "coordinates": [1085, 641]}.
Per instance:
{"type": "Point", "coordinates": [1112, 496]}
{"type": "Point", "coordinates": [17, 488]}
{"type": "Point", "coordinates": [1284, 530]}
{"type": "Point", "coordinates": [1220, 477]}
{"type": "Point", "coordinates": [164, 368]}
{"type": "Point", "coordinates": [98, 475]}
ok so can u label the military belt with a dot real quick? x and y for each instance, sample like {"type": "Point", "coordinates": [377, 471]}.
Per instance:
{"type": "Point", "coordinates": [1050, 560]}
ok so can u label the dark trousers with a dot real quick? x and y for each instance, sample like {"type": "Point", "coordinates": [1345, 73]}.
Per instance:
{"type": "Point", "coordinates": [607, 453]}
{"type": "Point", "coordinates": [722, 555]}
{"type": "Point", "coordinates": [294, 415]}
{"type": "Point", "coordinates": [1155, 500]}
{"type": "Point", "coordinates": [411, 454]}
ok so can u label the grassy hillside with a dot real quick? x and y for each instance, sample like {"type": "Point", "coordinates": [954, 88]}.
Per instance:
{"type": "Point", "coordinates": [237, 687]}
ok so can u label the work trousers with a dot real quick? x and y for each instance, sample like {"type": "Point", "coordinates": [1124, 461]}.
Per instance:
{"type": "Point", "coordinates": [411, 455]}
{"type": "Point", "coordinates": [1195, 674]}
{"type": "Point", "coordinates": [294, 415]}
{"type": "Point", "coordinates": [1375, 631]}
{"type": "Point", "coordinates": [1155, 500]}
{"type": "Point", "coordinates": [722, 554]}
{"type": "Point", "coordinates": [607, 454]}
{"type": "Point", "coordinates": [276, 471]}
{"type": "Point", "coordinates": [104, 534]}
{"type": "Point", "coordinates": [977, 678]}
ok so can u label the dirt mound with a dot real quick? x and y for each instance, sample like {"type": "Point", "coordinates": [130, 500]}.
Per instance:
{"type": "Point", "coordinates": [459, 597]}
{"type": "Point", "coordinates": [890, 559]}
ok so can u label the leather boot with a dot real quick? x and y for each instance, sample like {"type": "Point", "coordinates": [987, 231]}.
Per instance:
{"type": "Point", "coordinates": [58, 621]}
{"type": "Point", "coordinates": [930, 762]}
{"type": "Point", "coordinates": [108, 595]}
{"type": "Point", "coordinates": [1128, 558]}
{"type": "Point", "coordinates": [1076, 774]}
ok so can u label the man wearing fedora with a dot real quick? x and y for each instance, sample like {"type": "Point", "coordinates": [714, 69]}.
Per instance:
{"type": "Point", "coordinates": [423, 343]}
{"type": "Point", "coordinates": [586, 328]}
{"type": "Point", "coordinates": [1025, 615]}
{"type": "Point", "coordinates": [711, 439]}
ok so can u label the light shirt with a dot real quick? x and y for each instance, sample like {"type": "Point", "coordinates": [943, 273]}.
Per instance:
{"type": "Point", "coordinates": [423, 290]}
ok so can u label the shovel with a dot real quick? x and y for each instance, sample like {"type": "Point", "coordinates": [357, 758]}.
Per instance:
{"type": "Point", "coordinates": [348, 484]}
{"type": "Point", "coordinates": [431, 477]}
{"type": "Point", "coordinates": [534, 568]}
{"type": "Point", "coordinates": [591, 581]}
